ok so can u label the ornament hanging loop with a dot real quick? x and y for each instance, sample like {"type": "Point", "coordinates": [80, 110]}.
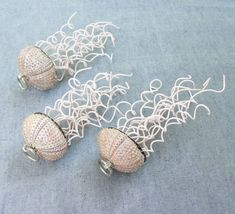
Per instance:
{"type": "Point", "coordinates": [30, 153]}
{"type": "Point", "coordinates": [22, 81]}
{"type": "Point", "coordinates": [106, 167]}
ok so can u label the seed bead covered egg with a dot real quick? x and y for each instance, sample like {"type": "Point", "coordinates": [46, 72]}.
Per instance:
{"type": "Point", "coordinates": [36, 69]}
{"type": "Point", "coordinates": [118, 151]}
{"type": "Point", "coordinates": [43, 138]}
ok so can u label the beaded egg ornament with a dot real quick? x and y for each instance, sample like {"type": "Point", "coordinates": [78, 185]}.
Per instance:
{"type": "Point", "coordinates": [66, 51]}
{"type": "Point", "coordinates": [47, 135]}
{"type": "Point", "coordinates": [126, 147]}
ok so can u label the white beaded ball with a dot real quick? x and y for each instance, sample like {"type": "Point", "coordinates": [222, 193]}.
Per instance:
{"type": "Point", "coordinates": [36, 69]}
{"type": "Point", "coordinates": [43, 138]}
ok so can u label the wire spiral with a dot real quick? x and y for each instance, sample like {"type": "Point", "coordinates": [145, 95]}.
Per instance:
{"type": "Point", "coordinates": [148, 119]}
{"type": "Point", "coordinates": [72, 49]}
{"type": "Point", "coordinates": [87, 104]}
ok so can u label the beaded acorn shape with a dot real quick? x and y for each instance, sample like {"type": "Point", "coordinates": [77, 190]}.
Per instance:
{"type": "Point", "coordinates": [122, 153]}
{"type": "Point", "coordinates": [66, 51]}
{"type": "Point", "coordinates": [145, 122]}
{"type": "Point", "coordinates": [36, 69]}
{"type": "Point", "coordinates": [48, 135]}
{"type": "Point", "coordinates": [43, 138]}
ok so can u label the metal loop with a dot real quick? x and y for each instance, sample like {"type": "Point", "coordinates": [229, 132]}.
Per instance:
{"type": "Point", "coordinates": [106, 167]}
{"type": "Point", "coordinates": [30, 153]}
{"type": "Point", "coordinates": [22, 81]}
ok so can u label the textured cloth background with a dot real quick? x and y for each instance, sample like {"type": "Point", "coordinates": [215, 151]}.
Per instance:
{"type": "Point", "coordinates": [192, 172]}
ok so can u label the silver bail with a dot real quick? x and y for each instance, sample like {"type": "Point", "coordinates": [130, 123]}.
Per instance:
{"type": "Point", "coordinates": [22, 81]}
{"type": "Point", "coordinates": [106, 167]}
{"type": "Point", "coordinates": [30, 153]}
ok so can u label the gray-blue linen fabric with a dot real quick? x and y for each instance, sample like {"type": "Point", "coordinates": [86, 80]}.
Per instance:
{"type": "Point", "coordinates": [192, 172]}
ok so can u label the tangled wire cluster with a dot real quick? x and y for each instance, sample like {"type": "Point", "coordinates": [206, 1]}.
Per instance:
{"type": "Point", "coordinates": [87, 104]}
{"type": "Point", "coordinates": [147, 119]}
{"type": "Point", "coordinates": [72, 49]}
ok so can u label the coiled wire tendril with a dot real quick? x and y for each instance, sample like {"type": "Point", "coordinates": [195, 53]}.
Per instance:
{"type": "Point", "coordinates": [148, 119]}
{"type": "Point", "coordinates": [87, 104]}
{"type": "Point", "coordinates": [72, 49]}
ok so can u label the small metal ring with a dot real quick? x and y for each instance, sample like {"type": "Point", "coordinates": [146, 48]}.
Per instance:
{"type": "Point", "coordinates": [106, 167]}
{"type": "Point", "coordinates": [22, 81]}
{"type": "Point", "coordinates": [30, 153]}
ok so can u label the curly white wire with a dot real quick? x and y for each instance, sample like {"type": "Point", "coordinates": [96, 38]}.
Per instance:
{"type": "Point", "coordinates": [87, 104]}
{"type": "Point", "coordinates": [148, 118]}
{"type": "Point", "coordinates": [72, 49]}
